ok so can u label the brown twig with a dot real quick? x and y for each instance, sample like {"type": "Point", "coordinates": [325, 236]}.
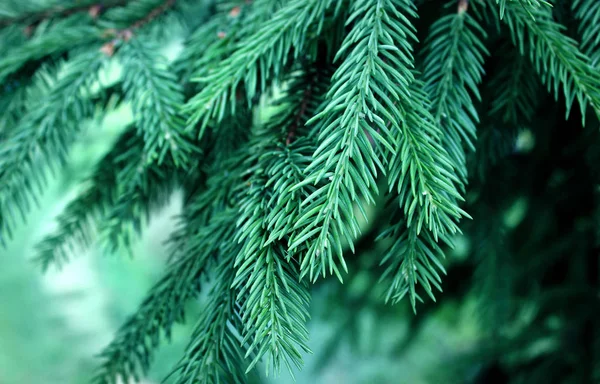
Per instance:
{"type": "Point", "coordinates": [463, 5]}
{"type": "Point", "coordinates": [125, 34]}
{"type": "Point", "coordinates": [32, 19]}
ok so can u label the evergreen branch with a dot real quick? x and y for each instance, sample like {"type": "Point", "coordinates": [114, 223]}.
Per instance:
{"type": "Point", "coordinates": [154, 13]}
{"type": "Point", "coordinates": [588, 11]}
{"type": "Point", "coordinates": [61, 37]}
{"type": "Point", "coordinates": [141, 189]}
{"type": "Point", "coordinates": [421, 172]}
{"type": "Point", "coordinates": [42, 139]}
{"type": "Point", "coordinates": [515, 89]}
{"type": "Point", "coordinates": [352, 129]}
{"type": "Point", "coordinates": [412, 259]}
{"type": "Point", "coordinates": [226, 158]}
{"type": "Point", "coordinates": [130, 353]}
{"type": "Point", "coordinates": [256, 59]}
{"type": "Point", "coordinates": [155, 96]}
{"type": "Point", "coordinates": [34, 18]}
{"type": "Point", "coordinates": [305, 91]}
{"type": "Point", "coordinates": [12, 103]}
{"type": "Point", "coordinates": [277, 303]}
{"type": "Point", "coordinates": [556, 57]}
{"type": "Point", "coordinates": [527, 5]}
{"type": "Point", "coordinates": [76, 224]}
{"type": "Point", "coordinates": [134, 15]}
{"type": "Point", "coordinates": [215, 353]}
{"type": "Point", "coordinates": [213, 39]}
{"type": "Point", "coordinates": [453, 68]}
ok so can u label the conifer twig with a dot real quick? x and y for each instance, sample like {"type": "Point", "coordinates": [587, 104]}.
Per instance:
{"type": "Point", "coordinates": [34, 18]}
{"type": "Point", "coordinates": [127, 33]}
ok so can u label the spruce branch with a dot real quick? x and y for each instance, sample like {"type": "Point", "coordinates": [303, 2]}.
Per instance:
{"type": "Point", "coordinates": [453, 69]}
{"type": "Point", "coordinates": [43, 137]}
{"type": "Point", "coordinates": [213, 39]}
{"type": "Point", "coordinates": [421, 174]}
{"type": "Point", "coordinates": [413, 259]}
{"type": "Point", "coordinates": [353, 130]}
{"type": "Point", "coordinates": [588, 11]}
{"type": "Point", "coordinates": [142, 188]}
{"type": "Point", "coordinates": [258, 58]}
{"type": "Point", "coordinates": [155, 96]}
{"type": "Point", "coordinates": [77, 223]}
{"type": "Point", "coordinates": [528, 5]}
{"type": "Point", "coordinates": [515, 89]}
{"type": "Point", "coordinates": [36, 17]}
{"type": "Point", "coordinates": [61, 37]}
{"type": "Point", "coordinates": [277, 300]}
{"type": "Point", "coordinates": [130, 353]}
{"type": "Point", "coordinates": [556, 57]}
{"type": "Point", "coordinates": [305, 93]}
{"type": "Point", "coordinates": [515, 93]}
{"type": "Point", "coordinates": [216, 353]}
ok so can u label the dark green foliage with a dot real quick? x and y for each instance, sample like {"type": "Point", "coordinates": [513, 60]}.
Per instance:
{"type": "Point", "coordinates": [302, 131]}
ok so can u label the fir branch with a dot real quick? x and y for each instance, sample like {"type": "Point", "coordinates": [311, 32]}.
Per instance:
{"type": "Point", "coordinates": [43, 137]}
{"type": "Point", "coordinates": [155, 96]}
{"type": "Point", "coordinates": [528, 5]}
{"type": "Point", "coordinates": [515, 91]}
{"type": "Point", "coordinates": [412, 259]}
{"type": "Point", "coordinates": [61, 37]}
{"type": "Point", "coordinates": [225, 158]}
{"type": "Point", "coordinates": [130, 353]}
{"type": "Point", "coordinates": [34, 18]}
{"type": "Point", "coordinates": [588, 11]}
{"type": "Point", "coordinates": [421, 173]}
{"type": "Point", "coordinates": [556, 57]}
{"type": "Point", "coordinates": [213, 39]}
{"type": "Point", "coordinates": [453, 69]}
{"type": "Point", "coordinates": [216, 353]}
{"type": "Point", "coordinates": [277, 303]}
{"type": "Point", "coordinates": [305, 91]}
{"type": "Point", "coordinates": [142, 188]}
{"type": "Point", "coordinates": [257, 58]}
{"type": "Point", "coordinates": [353, 129]}
{"type": "Point", "coordinates": [515, 94]}
{"type": "Point", "coordinates": [134, 15]}
{"type": "Point", "coordinates": [77, 223]}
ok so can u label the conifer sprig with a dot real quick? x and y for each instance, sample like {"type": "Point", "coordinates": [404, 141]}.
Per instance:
{"type": "Point", "coordinates": [43, 136]}
{"type": "Point", "coordinates": [257, 59]}
{"type": "Point", "coordinates": [61, 37]}
{"type": "Point", "coordinates": [588, 11]}
{"type": "Point", "coordinates": [141, 188]}
{"type": "Point", "coordinates": [421, 173]}
{"type": "Point", "coordinates": [130, 353]}
{"type": "Point", "coordinates": [276, 299]}
{"type": "Point", "coordinates": [561, 65]}
{"type": "Point", "coordinates": [527, 5]}
{"type": "Point", "coordinates": [78, 222]}
{"type": "Point", "coordinates": [155, 96]}
{"type": "Point", "coordinates": [515, 89]}
{"type": "Point", "coordinates": [216, 353]}
{"type": "Point", "coordinates": [368, 92]}
{"type": "Point", "coordinates": [452, 71]}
